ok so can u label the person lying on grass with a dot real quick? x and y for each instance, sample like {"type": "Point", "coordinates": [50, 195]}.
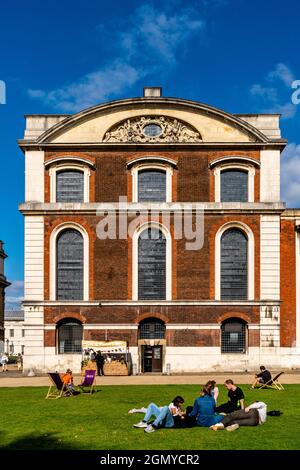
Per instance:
{"type": "Point", "coordinates": [252, 415]}
{"type": "Point", "coordinates": [165, 416]}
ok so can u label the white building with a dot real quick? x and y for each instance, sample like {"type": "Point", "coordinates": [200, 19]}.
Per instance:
{"type": "Point", "coordinates": [14, 332]}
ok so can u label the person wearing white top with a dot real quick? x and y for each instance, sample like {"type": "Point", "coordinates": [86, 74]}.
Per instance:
{"type": "Point", "coordinates": [4, 361]}
{"type": "Point", "coordinates": [252, 415]}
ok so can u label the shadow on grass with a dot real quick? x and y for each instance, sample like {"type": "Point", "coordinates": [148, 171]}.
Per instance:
{"type": "Point", "coordinates": [36, 441]}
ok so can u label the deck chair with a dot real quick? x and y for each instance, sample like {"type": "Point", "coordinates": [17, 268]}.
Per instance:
{"type": "Point", "coordinates": [88, 381]}
{"type": "Point", "coordinates": [59, 388]}
{"type": "Point", "coordinates": [273, 383]}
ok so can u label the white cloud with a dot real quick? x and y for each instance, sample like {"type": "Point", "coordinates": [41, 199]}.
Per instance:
{"type": "Point", "coordinates": [283, 73]}
{"type": "Point", "coordinates": [273, 98]}
{"type": "Point", "coordinates": [151, 41]}
{"type": "Point", "coordinates": [91, 88]}
{"type": "Point", "coordinates": [14, 295]}
{"type": "Point", "coordinates": [290, 175]}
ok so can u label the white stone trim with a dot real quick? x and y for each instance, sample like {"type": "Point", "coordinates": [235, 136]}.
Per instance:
{"type": "Point", "coordinates": [135, 239]}
{"type": "Point", "coordinates": [34, 258]}
{"type": "Point", "coordinates": [270, 175]}
{"type": "Point", "coordinates": [70, 166]}
{"type": "Point", "coordinates": [234, 166]}
{"type": "Point", "coordinates": [251, 265]}
{"type": "Point", "coordinates": [270, 257]}
{"type": "Point", "coordinates": [148, 159]}
{"type": "Point", "coordinates": [152, 166]}
{"type": "Point", "coordinates": [69, 158]}
{"type": "Point", "coordinates": [53, 244]}
{"type": "Point", "coordinates": [34, 176]}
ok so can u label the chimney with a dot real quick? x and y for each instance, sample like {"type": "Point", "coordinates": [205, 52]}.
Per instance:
{"type": "Point", "coordinates": [152, 92]}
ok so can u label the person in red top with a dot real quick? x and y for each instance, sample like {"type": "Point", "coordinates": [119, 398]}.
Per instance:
{"type": "Point", "coordinates": [67, 379]}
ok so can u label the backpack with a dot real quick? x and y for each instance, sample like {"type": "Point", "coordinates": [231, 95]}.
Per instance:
{"type": "Point", "coordinates": [274, 413]}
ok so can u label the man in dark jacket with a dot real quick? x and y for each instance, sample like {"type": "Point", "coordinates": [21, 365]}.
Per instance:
{"type": "Point", "coordinates": [100, 363]}
{"type": "Point", "coordinates": [263, 377]}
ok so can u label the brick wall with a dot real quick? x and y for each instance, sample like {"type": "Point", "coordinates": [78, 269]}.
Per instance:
{"type": "Point", "coordinates": [287, 284]}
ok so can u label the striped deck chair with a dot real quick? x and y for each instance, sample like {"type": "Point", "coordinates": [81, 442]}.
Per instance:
{"type": "Point", "coordinates": [273, 383]}
{"type": "Point", "coordinates": [59, 388]}
{"type": "Point", "coordinates": [89, 380]}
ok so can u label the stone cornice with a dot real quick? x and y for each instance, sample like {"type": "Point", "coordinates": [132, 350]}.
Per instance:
{"type": "Point", "coordinates": [37, 208]}
{"type": "Point", "coordinates": [139, 303]}
{"type": "Point", "coordinates": [277, 144]}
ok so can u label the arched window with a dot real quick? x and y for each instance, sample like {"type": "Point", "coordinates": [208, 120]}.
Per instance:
{"type": "Point", "coordinates": [152, 185]}
{"type": "Point", "coordinates": [70, 186]}
{"type": "Point", "coordinates": [234, 265]}
{"type": "Point", "coordinates": [152, 265]}
{"type": "Point", "coordinates": [69, 266]}
{"type": "Point", "coordinates": [233, 336]}
{"type": "Point", "coordinates": [152, 328]}
{"type": "Point", "coordinates": [234, 185]}
{"type": "Point", "coordinates": [69, 336]}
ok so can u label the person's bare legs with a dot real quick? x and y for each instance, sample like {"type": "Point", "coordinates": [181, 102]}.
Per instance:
{"type": "Point", "coordinates": [255, 383]}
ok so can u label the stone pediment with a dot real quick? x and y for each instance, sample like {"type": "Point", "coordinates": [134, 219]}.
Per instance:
{"type": "Point", "coordinates": [152, 129]}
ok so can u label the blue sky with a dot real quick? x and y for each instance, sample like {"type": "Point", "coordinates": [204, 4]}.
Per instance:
{"type": "Point", "coordinates": [62, 56]}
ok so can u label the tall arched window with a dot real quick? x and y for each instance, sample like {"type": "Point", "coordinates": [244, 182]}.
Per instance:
{"type": "Point", "coordinates": [152, 328]}
{"type": "Point", "coordinates": [152, 265]}
{"type": "Point", "coordinates": [234, 185]}
{"type": "Point", "coordinates": [70, 186]}
{"type": "Point", "coordinates": [69, 336]}
{"type": "Point", "coordinates": [234, 265]}
{"type": "Point", "coordinates": [233, 336]}
{"type": "Point", "coordinates": [69, 266]}
{"type": "Point", "coordinates": [152, 185]}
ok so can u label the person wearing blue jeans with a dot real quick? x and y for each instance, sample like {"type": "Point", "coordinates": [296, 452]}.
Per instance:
{"type": "Point", "coordinates": [164, 415]}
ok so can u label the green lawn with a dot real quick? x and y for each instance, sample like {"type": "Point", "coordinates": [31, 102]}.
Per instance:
{"type": "Point", "coordinates": [101, 421]}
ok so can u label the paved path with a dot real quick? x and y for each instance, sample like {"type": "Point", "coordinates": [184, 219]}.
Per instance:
{"type": "Point", "coordinates": [14, 381]}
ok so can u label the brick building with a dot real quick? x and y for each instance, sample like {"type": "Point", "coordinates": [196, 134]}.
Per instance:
{"type": "Point", "coordinates": [3, 284]}
{"type": "Point", "coordinates": [230, 304]}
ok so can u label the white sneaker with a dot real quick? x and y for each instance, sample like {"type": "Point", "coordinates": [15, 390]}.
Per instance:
{"type": "Point", "coordinates": [130, 412]}
{"type": "Point", "coordinates": [149, 428]}
{"type": "Point", "coordinates": [233, 427]}
{"type": "Point", "coordinates": [141, 424]}
{"type": "Point", "coordinates": [217, 427]}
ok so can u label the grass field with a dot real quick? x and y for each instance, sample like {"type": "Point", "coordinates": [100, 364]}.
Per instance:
{"type": "Point", "coordinates": [101, 421]}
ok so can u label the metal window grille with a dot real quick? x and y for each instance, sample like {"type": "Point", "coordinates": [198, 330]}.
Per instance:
{"type": "Point", "coordinates": [234, 265]}
{"type": "Point", "coordinates": [70, 265]}
{"type": "Point", "coordinates": [152, 186]}
{"type": "Point", "coordinates": [152, 265]}
{"type": "Point", "coordinates": [69, 338]}
{"type": "Point", "coordinates": [70, 186]}
{"type": "Point", "coordinates": [233, 337]}
{"type": "Point", "coordinates": [152, 330]}
{"type": "Point", "coordinates": [234, 186]}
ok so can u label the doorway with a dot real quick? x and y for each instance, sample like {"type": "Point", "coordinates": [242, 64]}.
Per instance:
{"type": "Point", "coordinates": [151, 359]}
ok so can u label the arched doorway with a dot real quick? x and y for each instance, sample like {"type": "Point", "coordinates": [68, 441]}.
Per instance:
{"type": "Point", "coordinates": [151, 333]}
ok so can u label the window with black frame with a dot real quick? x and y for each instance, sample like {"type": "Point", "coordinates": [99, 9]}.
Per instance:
{"type": "Point", "coordinates": [152, 186]}
{"type": "Point", "coordinates": [69, 265]}
{"type": "Point", "coordinates": [69, 336]}
{"type": "Point", "coordinates": [234, 185]}
{"type": "Point", "coordinates": [233, 336]}
{"type": "Point", "coordinates": [234, 265]}
{"type": "Point", "coordinates": [152, 265]}
{"type": "Point", "coordinates": [70, 186]}
{"type": "Point", "coordinates": [152, 328]}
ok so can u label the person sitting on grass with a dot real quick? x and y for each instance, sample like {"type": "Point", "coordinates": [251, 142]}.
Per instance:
{"type": "Point", "coordinates": [165, 416]}
{"type": "Point", "coordinates": [236, 399]}
{"type": "Point", "coordinates": [214, 390]}
{"type": "Point", "coordinates": [67, 379]}
{"type": "Point", "coordinates": [204, 408]}
{"type": "Point", "coordinates": [252, 415]}
{"type": "Point", "coordinates": [263, 377]}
